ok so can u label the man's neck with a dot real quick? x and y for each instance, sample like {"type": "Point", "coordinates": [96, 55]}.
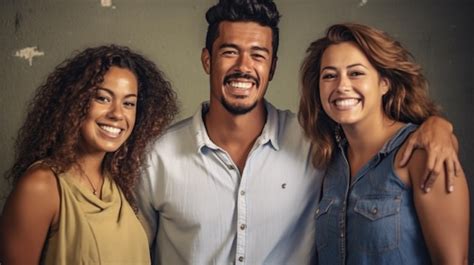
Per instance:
{"type": "Point", "coordinates": [236, 134]}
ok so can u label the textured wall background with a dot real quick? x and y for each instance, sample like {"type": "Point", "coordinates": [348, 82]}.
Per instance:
{"type": "Point", "coordinates": [171, 32]}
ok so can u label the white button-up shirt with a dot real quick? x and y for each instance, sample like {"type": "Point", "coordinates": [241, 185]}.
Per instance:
{"type": "Point", "coordinates": [198, 208]}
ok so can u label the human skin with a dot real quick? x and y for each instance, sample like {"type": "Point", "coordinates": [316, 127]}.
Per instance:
{"type": "Point", "coordinates": [351, 93]}
{"type": "Point", "coordinates": [33, 206]}
{"type": "Point", "coordinates": [242, 47]}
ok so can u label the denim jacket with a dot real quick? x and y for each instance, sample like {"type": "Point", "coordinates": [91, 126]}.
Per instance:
{"type": "Point", "coordinates": [373, 219]}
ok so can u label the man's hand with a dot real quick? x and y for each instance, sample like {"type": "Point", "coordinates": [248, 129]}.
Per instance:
{"type": "Point", "coordinates": [435, 136]}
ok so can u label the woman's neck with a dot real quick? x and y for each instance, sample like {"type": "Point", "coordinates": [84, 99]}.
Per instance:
{"type": "Point", "coordinates": [91, 165]}
{"type": "Point", "coordinates": [88, 170]}
{"type": "Point", "coordinates": [365, 139]}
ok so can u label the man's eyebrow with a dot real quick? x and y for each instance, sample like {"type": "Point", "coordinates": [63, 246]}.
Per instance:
{"type": "Point", "coordinates": [233, 46]}
{"type": "Point", "coordinates": [228, 45]}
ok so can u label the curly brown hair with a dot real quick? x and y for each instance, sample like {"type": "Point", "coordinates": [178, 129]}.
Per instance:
{"type": "Point", "coordinates": [406, 101]}
{"type": "Point", "coordinates": [51, 131]}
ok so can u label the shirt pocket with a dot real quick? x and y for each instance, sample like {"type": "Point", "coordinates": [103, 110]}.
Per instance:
{"type": "Point", "coordinates": [376, 224]}
{"type": "Point", "coordinates": [322, 222]}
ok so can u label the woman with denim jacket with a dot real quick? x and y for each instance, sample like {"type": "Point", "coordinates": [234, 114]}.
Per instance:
{"type": "Point", "coordinates": [362, 96]}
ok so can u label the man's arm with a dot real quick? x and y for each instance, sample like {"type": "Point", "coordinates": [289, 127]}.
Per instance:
{"type": "Point", "coordinates": [436, 137]}
{"type": "Point", "coordinates": [147, 213]}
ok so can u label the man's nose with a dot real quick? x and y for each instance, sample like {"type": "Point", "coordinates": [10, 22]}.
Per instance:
{"type": "Point", "coordinates": [244, 63]}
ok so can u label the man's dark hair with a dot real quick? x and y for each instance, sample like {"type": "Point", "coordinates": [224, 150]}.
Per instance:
{"type": "Point", "coordinates": [263, 12]}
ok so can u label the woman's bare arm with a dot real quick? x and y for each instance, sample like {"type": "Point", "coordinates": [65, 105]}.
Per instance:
{"type": "Point", "coordinates": [30, 210]}
{"type": "Point", "coordinates": [444, 216]}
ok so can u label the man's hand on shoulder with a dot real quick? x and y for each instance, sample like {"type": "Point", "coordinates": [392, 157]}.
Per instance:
{"type": "Point", "coordinates": [436, 137]}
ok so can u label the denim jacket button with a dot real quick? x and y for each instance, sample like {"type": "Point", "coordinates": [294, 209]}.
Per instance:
{"type": "Point", "coordinates": [374, 211]}
{"type": "Point", "coordinates": [317, 211]}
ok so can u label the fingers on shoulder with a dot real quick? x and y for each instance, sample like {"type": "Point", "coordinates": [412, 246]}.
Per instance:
{"type": "Point", "coordinates": [417, 166]}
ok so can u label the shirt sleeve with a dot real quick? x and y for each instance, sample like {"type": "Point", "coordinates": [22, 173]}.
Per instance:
{"type": "Point", "coordinates": [145, 194]}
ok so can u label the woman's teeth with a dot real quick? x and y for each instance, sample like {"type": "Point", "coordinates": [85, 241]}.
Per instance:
{"type": "Point", "coordinates": [346, 102]}
{"type": "Point", "coordinates": [110, 129]}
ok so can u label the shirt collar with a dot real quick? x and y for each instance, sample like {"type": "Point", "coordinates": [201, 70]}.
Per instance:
{"type": "Point", "coordinates": [398, 139]}
{"type": "Point", "coordinates": [270, 131]}
{"type": "Point", "coordinates": [269, 134]}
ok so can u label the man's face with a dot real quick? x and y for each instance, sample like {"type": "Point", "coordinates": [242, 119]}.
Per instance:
{"type": "Point", "coordinates": [240, 65]}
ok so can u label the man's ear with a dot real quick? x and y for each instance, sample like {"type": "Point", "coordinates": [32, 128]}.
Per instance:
{"type": "Point", "coordinates": [273, 68]}
{"type": "Point", "coordinates": [206, 60]}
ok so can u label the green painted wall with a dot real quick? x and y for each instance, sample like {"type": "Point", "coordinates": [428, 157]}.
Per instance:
{"type": "Point", "coordinates": [171, 32]}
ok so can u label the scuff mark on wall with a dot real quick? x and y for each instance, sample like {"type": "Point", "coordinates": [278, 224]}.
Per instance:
{"type": "Point", "coordinates": [28, 53]}
{"type": "Point", "coordinates": [363, 3]}
{"type": "Point", "coordinates": [18, 20]}
{"type": "Point", "coordinates": [106, 3]}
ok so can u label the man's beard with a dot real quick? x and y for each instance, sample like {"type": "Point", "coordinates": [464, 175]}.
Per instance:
{"type": "Point", "coordinates": [237, 110]}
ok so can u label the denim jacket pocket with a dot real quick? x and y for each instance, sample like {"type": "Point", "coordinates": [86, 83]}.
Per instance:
{"type": "Point", "coordinates": [376, 223]}
{"type": "Point", "coordinates": [322, 222]}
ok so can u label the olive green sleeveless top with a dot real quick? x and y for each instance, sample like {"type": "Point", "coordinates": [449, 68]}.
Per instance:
{"type": "Point", "coordinates": [95, 231]}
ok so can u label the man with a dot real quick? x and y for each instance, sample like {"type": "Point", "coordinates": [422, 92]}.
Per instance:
{"type": "Point", "coordinates": [234, 183]}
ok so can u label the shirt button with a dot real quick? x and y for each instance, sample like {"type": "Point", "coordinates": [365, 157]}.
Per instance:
{"type": "Point", "coordinates": [230, 167]}
{"type": "Point", "coordinates": [317, 211]}
{"type": "Point", "coordinates": [243, 226]}
{"type": "Point", "coordinates": [242, 192]}
{"type": "Point", "coordinates": [241, 258]}
{"type": "Point", "coordinates": [342, 235]}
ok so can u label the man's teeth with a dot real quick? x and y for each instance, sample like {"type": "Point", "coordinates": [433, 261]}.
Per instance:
{"type": "Point", "coordinates": [110, 129]}
{"type": "Point", "coordinates": [346, 102]}
{"type": "Point", "coordinates": [241, 85]}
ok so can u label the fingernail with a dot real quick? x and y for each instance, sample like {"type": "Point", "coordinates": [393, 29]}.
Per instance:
{"type": "Point", "coordinates": [427, 190]}
{"type": "Point", "coordinates": [451, 188]}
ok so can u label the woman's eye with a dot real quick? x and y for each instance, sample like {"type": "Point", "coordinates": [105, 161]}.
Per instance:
{"type": "Point", "coordinates": [102, 99]}
{"type": "Point", "coordinates": [356, 73]}
{"type": "Point", "coordinates": [328, 76]}
{"type": "Point", "coordinates": [130, 104]}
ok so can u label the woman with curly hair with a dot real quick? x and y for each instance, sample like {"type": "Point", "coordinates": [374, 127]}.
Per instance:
{"type": "Point", "coordinates": [362, 95]}
{"type": "Point", "coordinates": [78, 157]}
